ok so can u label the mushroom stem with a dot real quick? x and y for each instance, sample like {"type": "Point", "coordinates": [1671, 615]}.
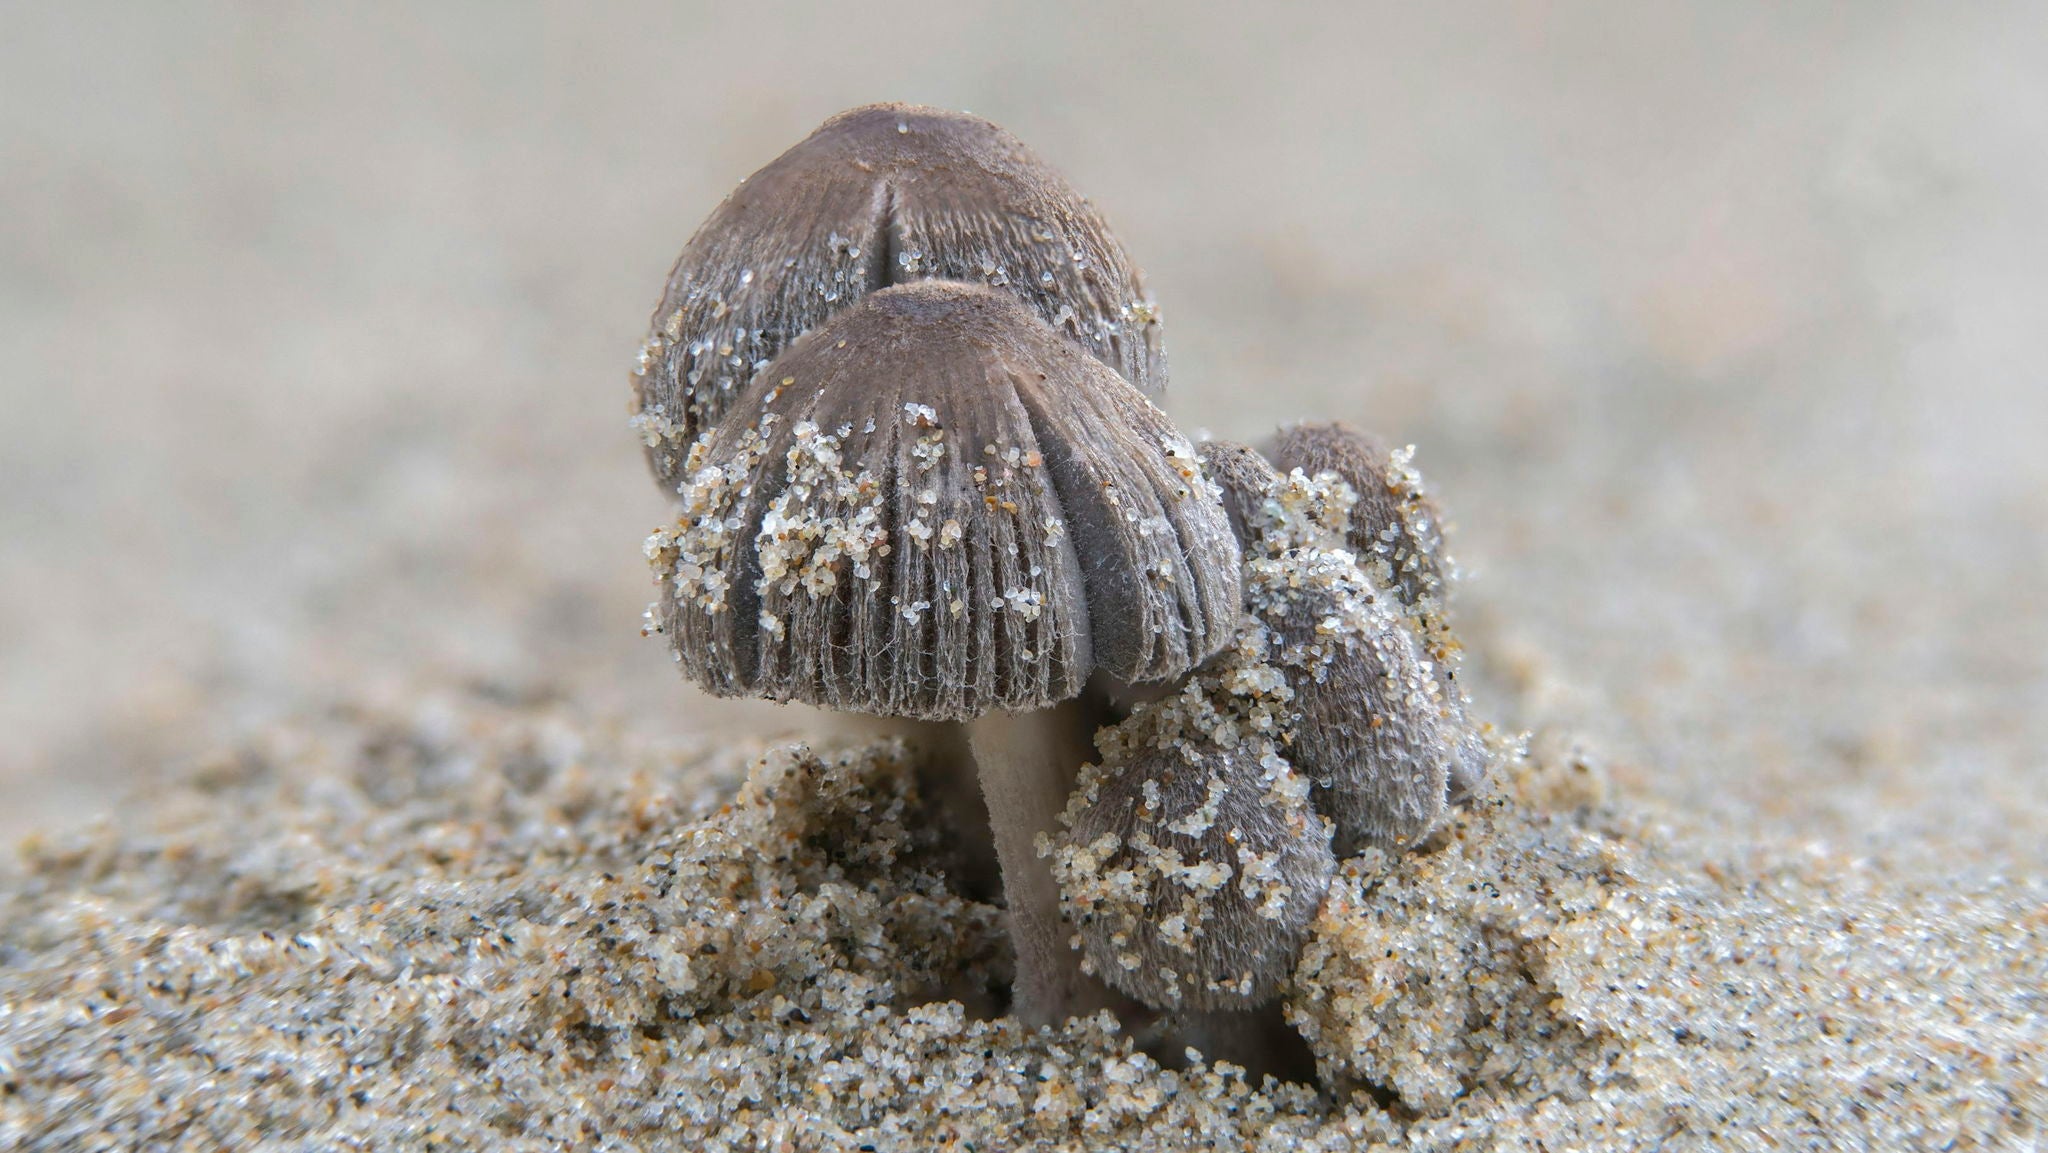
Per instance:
{"type": "Point", "coordinates": [1027, 763]}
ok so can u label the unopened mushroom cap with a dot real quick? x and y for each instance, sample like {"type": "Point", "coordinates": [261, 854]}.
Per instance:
{"type": "Point", "coordinates": [1378, 723]}
{"type": "Point", "coordinates": [881, 195]}
{"type": "Point", "coordinates": [934, 506]}
{"type": "Point", "coordinates": [1396, 529]}
{"type": "Point", "coordinates": [1272, 513]}
{"type": "Point", "coordinates": [1192, 861]}
{"type": "Point", "coordinates": [1378, 732]}
{"type": "Point", "coordinates": [1243, 478]}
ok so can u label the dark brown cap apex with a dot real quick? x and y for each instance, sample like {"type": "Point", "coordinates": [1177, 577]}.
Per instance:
{"type": "Point", "coordinates": [881, 195]}
{"type": "Point", "coordinates": [935, 506]}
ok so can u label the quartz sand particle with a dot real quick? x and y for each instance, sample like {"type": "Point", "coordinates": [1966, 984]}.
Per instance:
{"type": "Point", "coordinates": [474, 927]}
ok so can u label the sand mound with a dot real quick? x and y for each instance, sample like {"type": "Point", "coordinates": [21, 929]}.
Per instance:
{"type": "Point", "coordinates": [475, 926]}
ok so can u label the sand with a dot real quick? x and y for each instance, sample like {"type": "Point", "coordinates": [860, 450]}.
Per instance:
{"type": "Point", "coordinates": [471, 926]}
{"type": "Point", "coordinates": [321, 583]}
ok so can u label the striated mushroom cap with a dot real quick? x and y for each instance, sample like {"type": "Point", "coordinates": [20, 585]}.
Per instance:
{"type": "Point", "coordinates": [934, 506]}
{"type": "Point", "coordinates": [1396, 531]}
{"type": "Point", "coordinates": [881, 195]}
{"type": "Point", "coordinates": [1376, 726]}
{"type": "Point", "coordinates": [1271, 513]}
{"type": "Point", "coordinates": [1243, 479]}
{"type": "Point", "coordinates": [1395, 528]}
{"type": "Point", "coordinates": [1192, 861]}
{"type": "Point", "coordinates": [1378, 734]}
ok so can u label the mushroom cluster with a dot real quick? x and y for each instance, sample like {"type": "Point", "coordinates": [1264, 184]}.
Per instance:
{"type": "Point", "coordinates": [903, 384]}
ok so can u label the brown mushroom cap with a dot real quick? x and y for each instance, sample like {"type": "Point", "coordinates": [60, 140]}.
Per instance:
{"type": "Point", "coordinates": [1267, 514]}
{"type": "Point", "coordinates": [1378, 734]}
{"type": "Point", "coordinates": [881, 195]}
{"type": "Point", "coordinates": [933, 506]}
{"type": "Point", "coordinates": [1377, 726]}
{"type": "Point", "coordinates": [1395, 530]}
{"type": "Point", "coordinates": [1192, 861]}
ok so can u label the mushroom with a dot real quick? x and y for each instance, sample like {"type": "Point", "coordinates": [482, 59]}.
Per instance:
{"type": "Point", "coordinates": [1394, 528]}
{"type": "Point", "coordinates": [933, 506]}
{"type": "Point", "coordinates": [1396, 532]}
{"type": "Point", "coordinates": [880, 195]}
{"type": "Point", "coordinates": [1192, 861]}
{"type": "Point", "coordinates": [1376, 726]}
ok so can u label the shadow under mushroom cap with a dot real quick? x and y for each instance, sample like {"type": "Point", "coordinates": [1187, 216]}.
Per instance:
{"type": "Point", "coordinates": [881, 195]}
{"type": "Point", "coordinates": [934, 506]}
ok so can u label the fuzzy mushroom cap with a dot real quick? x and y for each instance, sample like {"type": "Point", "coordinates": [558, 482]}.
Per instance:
{"type": "Point", "coordinates": [1396, 531]}
{"type": "Point", "coordinates": [1271, 513]}
{"type": "Point", "coordinates": [1376, 725]}
{"type": "Point", "coordinates": [934, 506]}
{"type": "Point", "coordinates": [881, 195]}
{"type": "Point", "coordinates": [1378, 733]}
{"type": "Point", "coordinates": [1192, 861]}
{"type": "Point", "coordinates": [1395, 528]}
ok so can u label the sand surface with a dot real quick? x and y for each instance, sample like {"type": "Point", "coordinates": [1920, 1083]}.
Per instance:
{"type": "Point", "coordinates": [1717, 331]}
{"type": "Point", "coordinates": [470, 925]}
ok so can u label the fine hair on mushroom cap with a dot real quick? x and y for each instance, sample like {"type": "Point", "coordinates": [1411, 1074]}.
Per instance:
{"type": "Point", "coordinates": [1192, 861]}
{"type": "Point", "coordinates": [933, 507]}
{"type": "Point", "coordinates": [881, 195]}
{"type": "Point", "coordinates": [1395, 528]}
{"type": "Point", "coordinates": [1397, 533]}
{"type": "Point", "coordinates": [1373, 725]}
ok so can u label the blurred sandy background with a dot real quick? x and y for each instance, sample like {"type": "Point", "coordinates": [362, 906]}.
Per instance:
{"type": "Point", "coordinates": [1720, 329]}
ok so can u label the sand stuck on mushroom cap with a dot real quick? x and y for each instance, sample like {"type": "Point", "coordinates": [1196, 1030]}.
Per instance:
{"type": "Point", "coordinates": [880, 195]}
{"type": "Point", "coordinates": [933, 507]}
{"type": "Point", "coordinates": [1192, 861]}
{"type": "Point", "coordinates": [1394, 526]}
{"type": "Point", "coordinates": [1378, 725]}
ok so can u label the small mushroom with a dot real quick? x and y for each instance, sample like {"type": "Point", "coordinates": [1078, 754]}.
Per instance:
{"type": "Point", "coordinates": [1394, 528]}
{"type": "Point", "coordinates": [1374, 725]}
{"type": "Point", "coordinates": [1396, 532]}
{"type": "Point", "coordinates": [933, 506]}
{"type": "Point", "coordinates": [880, 195]}
{"type": "Point", "coordinates": [1192, 861]}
